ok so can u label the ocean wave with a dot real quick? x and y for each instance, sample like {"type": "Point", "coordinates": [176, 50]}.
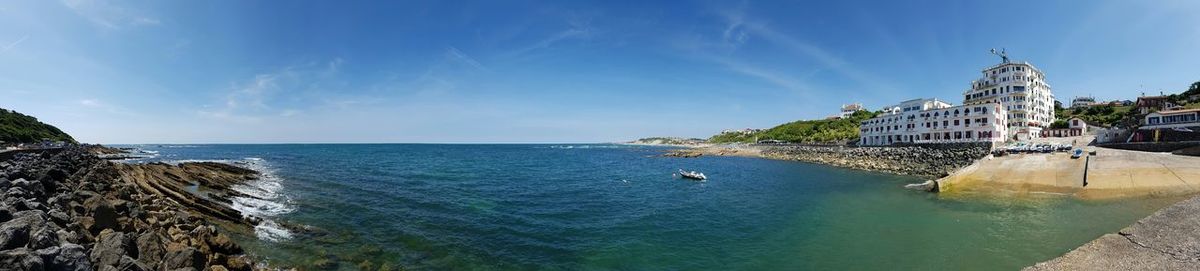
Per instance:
{"type": "Point", "coordinates": [264, 199]}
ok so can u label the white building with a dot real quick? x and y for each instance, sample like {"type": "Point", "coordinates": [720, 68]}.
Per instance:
{"type": "Point", "coordinates": [1083, 102]}
{"type": "Point", "coordinates": [1022, 90]}
{"type": "Point", "coordinates": [934, 121]}
{"type": "Point", "coordinates": [849, 109]}
{"type": "Point", "coordinates": [1171, 119]}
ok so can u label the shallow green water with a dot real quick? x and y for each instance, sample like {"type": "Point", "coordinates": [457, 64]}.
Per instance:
{"type": "Point", "coordinates": [606, 207]}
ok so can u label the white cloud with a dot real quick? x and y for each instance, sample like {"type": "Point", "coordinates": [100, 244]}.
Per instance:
{"type": "Point", "coordinates": [285, 92]}
{"type": "Point", "coordinates": [90, 103]}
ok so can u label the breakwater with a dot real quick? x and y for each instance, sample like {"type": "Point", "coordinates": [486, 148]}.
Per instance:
{"type": "Point", "coordinates": [70, 210]}
{"type": "Point", "coordinates": [926, 160]}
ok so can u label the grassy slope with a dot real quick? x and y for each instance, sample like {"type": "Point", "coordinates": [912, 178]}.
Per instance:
{"type": "Point", "coordinates": [20, 128]}
{"type": "Point", "coordinates": [803, 131]}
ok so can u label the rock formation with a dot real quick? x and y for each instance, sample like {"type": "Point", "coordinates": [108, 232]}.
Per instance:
{"type": "Point", "coordinates": [70, 210]}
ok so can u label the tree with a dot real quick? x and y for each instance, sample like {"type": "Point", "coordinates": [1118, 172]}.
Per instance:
{"type": "Point", "coordinates": [1059, 124]}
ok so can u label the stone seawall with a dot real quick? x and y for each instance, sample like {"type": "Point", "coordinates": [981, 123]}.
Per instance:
{"type": "Point", "coordinates": [925, 160]}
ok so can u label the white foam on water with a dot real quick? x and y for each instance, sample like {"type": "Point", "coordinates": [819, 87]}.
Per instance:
{"type": "Point", "coordinates": [264, 200]}
{"type": "Point", "coordinates": [270, 231]}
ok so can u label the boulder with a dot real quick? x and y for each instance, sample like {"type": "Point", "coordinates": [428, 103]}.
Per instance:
{"type": "Point", "coordinates": [16, 232]}
{"type": "Point", "coordinates": [13, 234]}
{"type": "Point", "coordinates": [129, 264]}
{"type": "Point", "coordinates": [71, 257]}
{"type": "Point", "coordinates": [44, 237]}
{"type": "Point", "coordinates": [103, 214]}
{"type": "Point", "coordinates": [150, 249]}
{"type": "Point", "coordinates": [185, 258]}
{"type": "Point", "coordinates": [110, 246]}
{"type": "Point", "coordinates": [21, 259]}
{"type": "Point", "coordinates": [221, 243]}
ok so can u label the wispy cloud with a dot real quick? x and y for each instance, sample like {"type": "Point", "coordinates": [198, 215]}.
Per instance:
{"type": "Point", "coordinates": [460, 57]}
{"type": "Point", "coordinates": [108, 15]}
{"type": "Point", "coordinates": [773, 77]}
{"type": "Point", "coordinates": [13, 44]}
{"type": "Point", "coordinates": [740, 27]}
{"type": "Point", "coordinates": [735, 35]}
{"type": "Point", "coordinates": [580, 27]}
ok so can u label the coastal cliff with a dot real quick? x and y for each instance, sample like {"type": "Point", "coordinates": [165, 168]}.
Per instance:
{"type": "Point", "coordinates": [67, 209]}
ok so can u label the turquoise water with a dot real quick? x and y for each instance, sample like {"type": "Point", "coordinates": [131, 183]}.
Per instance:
{"type": "Point", "coordinates": [610, 207]}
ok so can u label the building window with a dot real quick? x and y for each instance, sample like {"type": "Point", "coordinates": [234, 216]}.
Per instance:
{"type": "Point", "coordinates": [967, 122]}
{"type": "Point", "coordinates": [955, 122]}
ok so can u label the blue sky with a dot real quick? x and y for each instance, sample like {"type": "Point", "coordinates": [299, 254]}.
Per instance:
{"type": "Point", "coordinates": [550, 71]}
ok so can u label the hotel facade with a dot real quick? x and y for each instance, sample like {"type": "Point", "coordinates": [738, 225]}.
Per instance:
{"type": "Point", "coordinates": [1022, 90]}
{"type": "Point", "coordinates": [934, 121]}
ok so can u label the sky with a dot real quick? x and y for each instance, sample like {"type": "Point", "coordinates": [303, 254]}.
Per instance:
{"type": "Point", "coordinates": [548, 71]}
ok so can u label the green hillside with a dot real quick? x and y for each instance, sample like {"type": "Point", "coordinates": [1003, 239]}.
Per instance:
{"type": "Point", "coordinates": [20, 128]}
{"type": "Point", "coordinates": [804, 131]}
{"type": "Point", "coordinates": [1100, 114]}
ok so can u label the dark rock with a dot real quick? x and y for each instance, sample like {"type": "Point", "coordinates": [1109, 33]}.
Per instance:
{"type": "Point", "coordinates": [188, 257]}
{"type": "Point", "coordinates": [221, 243]}
{"type": "Point", "coordinates": [21, 259]}
{"type": "Point", "coordinates": [71, 257]}
{"type": "Point", "coordinates": [44, 237]}
{"type": "Point", "coordinates": [5, 213]}
{"type": "Point", "coordinates": [129, 264]}
{"type": "Point", "coordinates": [13, 235]}
{"type": "Point", "coordinates": [150, 249]}
{"type": "Point", "coordinates": [16, 232]}
{"type": "Point", "coordinates": [103, 214]}
{"type": "Point", "coordinates": [110, 246]}
{"type": "Point", "coordinates": [59, 217]}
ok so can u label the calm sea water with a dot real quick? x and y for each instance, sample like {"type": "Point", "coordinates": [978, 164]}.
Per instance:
{"type": "Point", "coordinates": [610, 207]}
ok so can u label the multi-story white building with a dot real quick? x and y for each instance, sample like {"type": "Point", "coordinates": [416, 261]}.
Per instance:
{"type": "Point", "coordinates": [1022, 90]}
{"type": "Point", "coordinates": [934, 121]}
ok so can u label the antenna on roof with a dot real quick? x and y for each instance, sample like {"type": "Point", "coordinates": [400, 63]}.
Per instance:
{"type": "Point", "coordinates": [1003, 55]}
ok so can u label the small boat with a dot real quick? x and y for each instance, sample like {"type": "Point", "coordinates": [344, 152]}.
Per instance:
{"type": "Point", "coordinates": [692, 175]}
{"type": "Point", "coordinates": [1077, 153]}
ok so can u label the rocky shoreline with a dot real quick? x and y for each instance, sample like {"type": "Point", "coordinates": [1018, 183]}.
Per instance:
{"type": "Point", "coordinates": [67, 209]}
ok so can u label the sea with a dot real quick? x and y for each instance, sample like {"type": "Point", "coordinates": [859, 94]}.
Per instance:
{"type": "Point", "coordinates": [620, 207]}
